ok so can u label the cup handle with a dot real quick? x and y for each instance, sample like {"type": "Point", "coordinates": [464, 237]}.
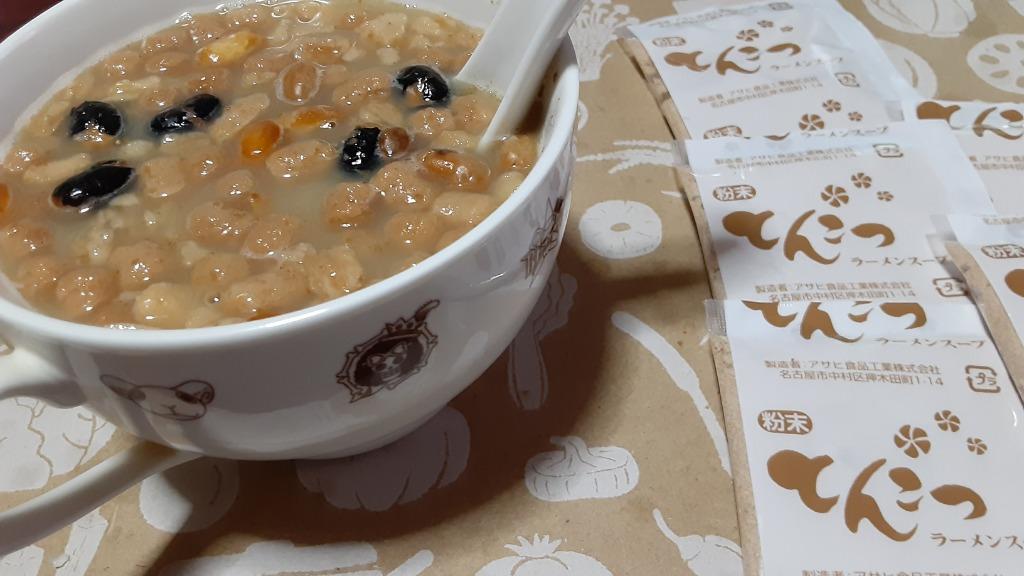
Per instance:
{"type": "Point", "coordinates": [47, 513]}
{"type": "Point", "coordinates": [24, 372]}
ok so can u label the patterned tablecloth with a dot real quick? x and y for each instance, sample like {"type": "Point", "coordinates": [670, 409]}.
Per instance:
{"type": "Point", "coordinates": [611, 380]}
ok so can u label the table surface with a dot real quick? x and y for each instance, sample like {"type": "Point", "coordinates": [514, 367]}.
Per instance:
{"type": "Point", "coordinates": [629, 376]}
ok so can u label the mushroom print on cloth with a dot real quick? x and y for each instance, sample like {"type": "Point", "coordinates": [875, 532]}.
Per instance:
{"type": "Point", "coordinates": [541, 557]}
{"type": "Point", "coordinates": [704, 555]}
{"type": "Point", "coordinates": [280, 557]}
{"type": "Point", "coordinates": [999, 61]}
{"type": "Point", "coordinates": [915, 69]}
{"type": "Point", "coordinates": [24, 562]}
{"type": "Point", "coordinates": [189, 497]}
{"type": "Point", "coordinates": [621, 229]}
{"type": "Point", "coordinates": [634, 153]}
{"type": "Point", "coordinates": [682, 375]}
{"type": "Point", "coordinates": [594, 30]}
{"type": "Point", "coordinates": [433, 456]}
{"type": "Point", "coordinates": [38, 442]}
{"type": "Point", "coordinates": [578, 472]}
{"type": "Point", "coordinates": [527, 374]}
{"type": "Point", "coordinates": [937, 18]}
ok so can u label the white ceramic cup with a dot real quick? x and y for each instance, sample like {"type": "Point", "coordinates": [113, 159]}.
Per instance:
{"type": "Point", "coordinates": [328, 381]}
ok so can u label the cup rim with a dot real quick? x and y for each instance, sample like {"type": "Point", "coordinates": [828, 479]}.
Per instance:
{"type": "Point", "coordinates": [40, 325]}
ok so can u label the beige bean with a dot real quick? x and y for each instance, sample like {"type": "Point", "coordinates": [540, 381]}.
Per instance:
{"type": "Point", "coordinates": [386, 29]}
{"type": "Point", "coordinates": [141, 264]}
{"type": "Point", "coordinates": [264, 67]}
{"type": "Point", "coordinates": [37, 276]}
{"type": "Point", "coordinates": [24, 155]}
{"type": "Point", "coordinates": [158, 99]}
{"type": "Point", "coordinates": [334, 273]}
{"type": "Point", "coordinates": [83, 290]}
{"type": "Point", "coordinates": [458, 169]}
{"type": "Point", "coordinates": [381, 113]}
{"type": "Point", "coordinates": [457, 140]}
{"type": "Point", "coordinates": [414, 231]}
{"type": "Point", "coordinates": [349, 205]}
{"type": "Point", "coordinates": [19, 239]}
{"type": "Point", "coordinates": [219, 270]}
{"type": "Point", "coordinates": [430, 121]}
{"type": "Point", "coordinates": [202, 161]}
{"type": "Point", "coordinates": [506, 184]}
{"type": "Point", "coordinates": [271, 234]}
{"type": "Point", "coordinates": [49, 118]}
{"type": "Point", "coordinates": [173, 38]}
{"type": "Point", "coordinates": [311, 118]}
{"type": "Point", "coordinates": [168, 63]}
{"type": "Point", "coordinates": [162, 176]}
{"type": "Point", "coordinates": [206, 28]}
{"type": "Point", "coordinates": [217, 224]}
{"type": "Point", "coordinates": [120, 64]}
{"type": "Point", "coordinates": [251, 15]}
{"type": "Point", "coordinates": [403, 188]}
{"type": "Point", "coordinates": [301, 160]}
{"type": "Point", "coordinates": [298, 83]}
{"type": "Point", "coordinates": [137, 150]}
{"type": "Point", "coordinates": [204, 317]}
{"type": "Point", "coordinates": [212, 81]}
{"type": "Point", "coordinates": [323, 51]}
{"type": "Point", "coordinates": [237, 187]}
{"type": "Point", "coordinates": [365, 86]}
{"type": "Point", "coordinates": [238, 115]}
{"type": "Point", "coordinates": [517, 153]}
{"type": "Point", "coordinates": [335, 74]}
{"type": "Point", "coordinates": [165, 305]}
{"type": "Point", "coordinates": [268, 294]}
{"type": "Point", "coordinates": [463, 209]}
{"type": "Point", "coordinates": [131, 90]}
{"type": "Point", "coordinates": [473, 113]}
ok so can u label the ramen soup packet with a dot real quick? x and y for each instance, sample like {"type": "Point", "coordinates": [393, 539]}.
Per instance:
{"type": "Point", "coordinates": [992, 136]}
{"type": "Point", "coordinates": [766, 68]}
{"type": "Point", "coordinates": [870, 438]}
{"type": "Point", "coordinates": [989, 251]}
{"type": "Point", "coordinates": [837, 217]}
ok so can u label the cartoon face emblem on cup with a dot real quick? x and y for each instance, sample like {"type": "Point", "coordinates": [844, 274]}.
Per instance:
{"type": "Point", "coordinates": [185, 402]}
{"type": "Point", "coordinates": [394, 355]}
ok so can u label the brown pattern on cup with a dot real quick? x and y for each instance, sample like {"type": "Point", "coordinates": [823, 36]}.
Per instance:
{"type": "Point", "coordinates": [185, 402]}
{"type": "Point", "coordinates": [398, 352]}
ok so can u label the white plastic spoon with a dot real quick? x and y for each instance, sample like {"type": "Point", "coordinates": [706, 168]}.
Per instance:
{"type": "Point", "coordinates": [514, 56]}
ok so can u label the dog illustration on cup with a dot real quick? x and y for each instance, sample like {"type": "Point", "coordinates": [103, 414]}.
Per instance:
{"type": "Point", "coordinates": [185, 402]}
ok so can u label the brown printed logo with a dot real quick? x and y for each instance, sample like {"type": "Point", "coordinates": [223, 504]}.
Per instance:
{"type": "Point", "coordinates": [1003, 251]}
{"type": "Point", "coordinates": [734, 193]}
{"type": "Point", "coordinates": [753, 52]}
{"type": "Point", "coordinates": [791, 422]}
{"type": "Point", "coordinates": [796, 472]}
{"type": "Point", "coordinates": [1015, 282]}
{"type": "Point", "coordinates": [830, 228]}
{"type": "Point", "coordinates": [950, 287]}
{"type": "Point", "coordinates": [185, 402]}
{"type": "Point", "coordinates": [888, 151]}
{"type": "Point", "coordinates": [545, 239]}
{"type": "Point", "coordinates": [1006, 123]}
{"type": "Point", "coordinates": [815, 319]}
{"type": "Point", "coordinates": [983, 379]}
{"type": "Point", "coordinates": [724, 132]}
{"type": "Point", "coordinates": [848, 79]}
{"type": "Point", "coordinates": [669, 42]}
{"type": "Point", "coordinates": [395, 354]}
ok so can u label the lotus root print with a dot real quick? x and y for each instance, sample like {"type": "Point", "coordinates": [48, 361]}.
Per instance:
{"type": "Point", "coordinates": [936, 18]}
{"type": "Point", "coordinates": [185, 402]}
{"type": "Point", "coordinates": [395, 354]}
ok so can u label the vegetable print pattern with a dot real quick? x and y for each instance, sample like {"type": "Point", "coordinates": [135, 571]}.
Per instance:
{"type": "Point", "coordinates": [50, 445]}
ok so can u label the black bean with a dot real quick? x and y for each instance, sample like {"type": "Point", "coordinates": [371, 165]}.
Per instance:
{"type": "Point", "coordinates": [192, 114]}
{"type": "Point", "coordinates": [428, 85]}
{"type": "Point", "coordinates": [206, 107]}
{"type": "Point", "coordinates": [96, 116]}
{"type": "Point", "coordinates": [359, 152]}
{"type": "Point", "coordinates": [95, 186]}
{"type": "Point", "coordinates": [172, 121]}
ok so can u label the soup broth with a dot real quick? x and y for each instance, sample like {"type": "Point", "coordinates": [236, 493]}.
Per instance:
{"type": "Point", "coordinates": [246, 163]}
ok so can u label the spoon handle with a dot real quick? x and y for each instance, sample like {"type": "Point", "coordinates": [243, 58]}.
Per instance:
{"type": "Point", "coordinates": [36, 519]}
{"type": "Point", "coordinates": [514, 55]}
